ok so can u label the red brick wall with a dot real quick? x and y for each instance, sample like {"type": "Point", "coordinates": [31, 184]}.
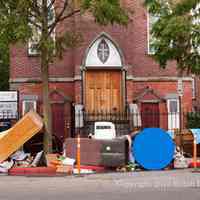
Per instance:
{"type": "Point", "coordinates": [162, 89]}
{"type": "Point", "coordinates": [131, 39]}
{"type": "Point", "coordinates": [24, 66]}
{"type": "Point", "coordinates": [36, 89]}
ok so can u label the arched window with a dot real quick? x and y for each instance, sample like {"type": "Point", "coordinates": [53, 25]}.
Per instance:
{"type": "Point", "coordinates": [103, 52]}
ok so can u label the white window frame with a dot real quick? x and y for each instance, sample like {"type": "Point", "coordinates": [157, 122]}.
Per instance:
{"type": "Point", "coordinates": [24, 103]}
{"type": "Point", "coordinates": [193, 88]}
{"type": "Point", "coordinates": [34, 41]}
{"type": "Point", "coordinates": [173, 118]}
{"type": "Point", "coordinates": [148, 33]}
{"type": "Point", "coordinates": [149, 51]}
{"type": "Point", "coordinates": [35, 52]}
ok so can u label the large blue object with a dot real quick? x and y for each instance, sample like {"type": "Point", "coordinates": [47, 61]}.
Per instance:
{"type": "Point", "coordinates": [153, 149]}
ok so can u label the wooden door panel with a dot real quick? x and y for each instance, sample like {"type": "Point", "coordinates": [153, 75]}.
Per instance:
{"type": "Point", "coordinates": [108, 101]}
{"type": "Point", "coordinates": [98, 99]}
{"type": "Point", "coordinates": [108, 80]}
{"type": "Point", "coordinates": [98, 82]}
{"type": "Point", "coordinates": [115, 99]}
{"type": "Point", "coordinates": [90, 98]}
{"type": "Point", "coordinates": [116, 79]}
{"type": "Point", "coordinates": [150, 115]}
{"type": "Point", "coordinates": [103, 90]}
{"type": "Point", "coordinates": [58, 120]}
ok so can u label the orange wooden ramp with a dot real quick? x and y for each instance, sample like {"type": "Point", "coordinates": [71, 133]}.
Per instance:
{"type": "Point", "coordinates": [12, 139]}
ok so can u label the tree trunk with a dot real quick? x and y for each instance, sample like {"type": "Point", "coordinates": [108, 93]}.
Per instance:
{"type": "Point", "coordinates": [47, 141]}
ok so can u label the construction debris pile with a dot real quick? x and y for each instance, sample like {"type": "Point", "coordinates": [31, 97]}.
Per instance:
{"type": "Point", "coordinates": [20, 160]}
{"type": "Point", "coordinates": [16, 162]}
{"type": "Point", "coordinates": [21, 163]}
{"type": "Point", "coordinates": [94, 155]}
{"type": "Point", "coordinates": [60, 163]}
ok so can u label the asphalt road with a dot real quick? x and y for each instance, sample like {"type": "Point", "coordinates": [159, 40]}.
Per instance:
{"type": "Point", "coordinates": [163, 185]}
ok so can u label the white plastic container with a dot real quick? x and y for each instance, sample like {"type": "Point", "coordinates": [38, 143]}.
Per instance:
{"type": "Point", "coordinates": [104, 130]}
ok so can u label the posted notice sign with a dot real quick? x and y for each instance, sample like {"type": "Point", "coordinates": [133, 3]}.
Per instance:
{"type": "Point", "coordinates": [180, 87]}
{"type": "Point", "coordinates": [8, 104]}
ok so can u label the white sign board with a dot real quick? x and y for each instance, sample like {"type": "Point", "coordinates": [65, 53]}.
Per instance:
{"type": "Point", "coordinates": [8, 105]}
{"type": "Point", "coordinates": [180, 87]}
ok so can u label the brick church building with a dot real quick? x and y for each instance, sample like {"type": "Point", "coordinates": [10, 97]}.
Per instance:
{"type": "Point", "coordinates": [109, 71]}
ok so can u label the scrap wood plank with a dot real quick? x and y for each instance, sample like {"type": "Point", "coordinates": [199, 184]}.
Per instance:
{"type": "Point", "coordinates": [51, 158]}
{"type": "Point", "coordinates": [21, 132]}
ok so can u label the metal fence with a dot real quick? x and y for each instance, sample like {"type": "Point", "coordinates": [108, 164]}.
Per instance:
{"type": "Point", "coordinates": [126, 121]}
{"type": "Point", "coordinates": [83, 122]}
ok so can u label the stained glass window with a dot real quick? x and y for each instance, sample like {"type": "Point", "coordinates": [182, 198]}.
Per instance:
{"type": "Point", "coordinates": [103, 51]}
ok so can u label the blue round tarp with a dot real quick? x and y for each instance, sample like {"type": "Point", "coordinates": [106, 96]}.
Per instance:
{"type": "Point", "coordinates": [153, 149]}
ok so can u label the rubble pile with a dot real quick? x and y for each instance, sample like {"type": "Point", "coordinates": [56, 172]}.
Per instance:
{"type": "Point", "coordinates": [159, 151]}
{"type": "Point", "coordinates": [60, 163]}
{"type": "Point", "coordinates": [19, 159]}
{"type": "Point", "coordinates": [180, 161]}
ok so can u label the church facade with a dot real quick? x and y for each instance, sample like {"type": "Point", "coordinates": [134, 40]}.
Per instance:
{"type": "Point", "coordinates": [111, 70]}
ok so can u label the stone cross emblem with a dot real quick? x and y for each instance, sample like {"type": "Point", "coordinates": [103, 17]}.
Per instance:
{"type": "Point", "coordinates": [103, 51]}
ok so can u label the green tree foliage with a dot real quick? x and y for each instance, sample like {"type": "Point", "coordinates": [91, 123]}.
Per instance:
{"type": "Point", "coordinates": [193, 120]}
{"type": "Point", "coordinates": [177, 33]}
{"type": "Point", "coordinates": [4, 66]}
{"type": "Point", "coordinates": [19, 19]}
